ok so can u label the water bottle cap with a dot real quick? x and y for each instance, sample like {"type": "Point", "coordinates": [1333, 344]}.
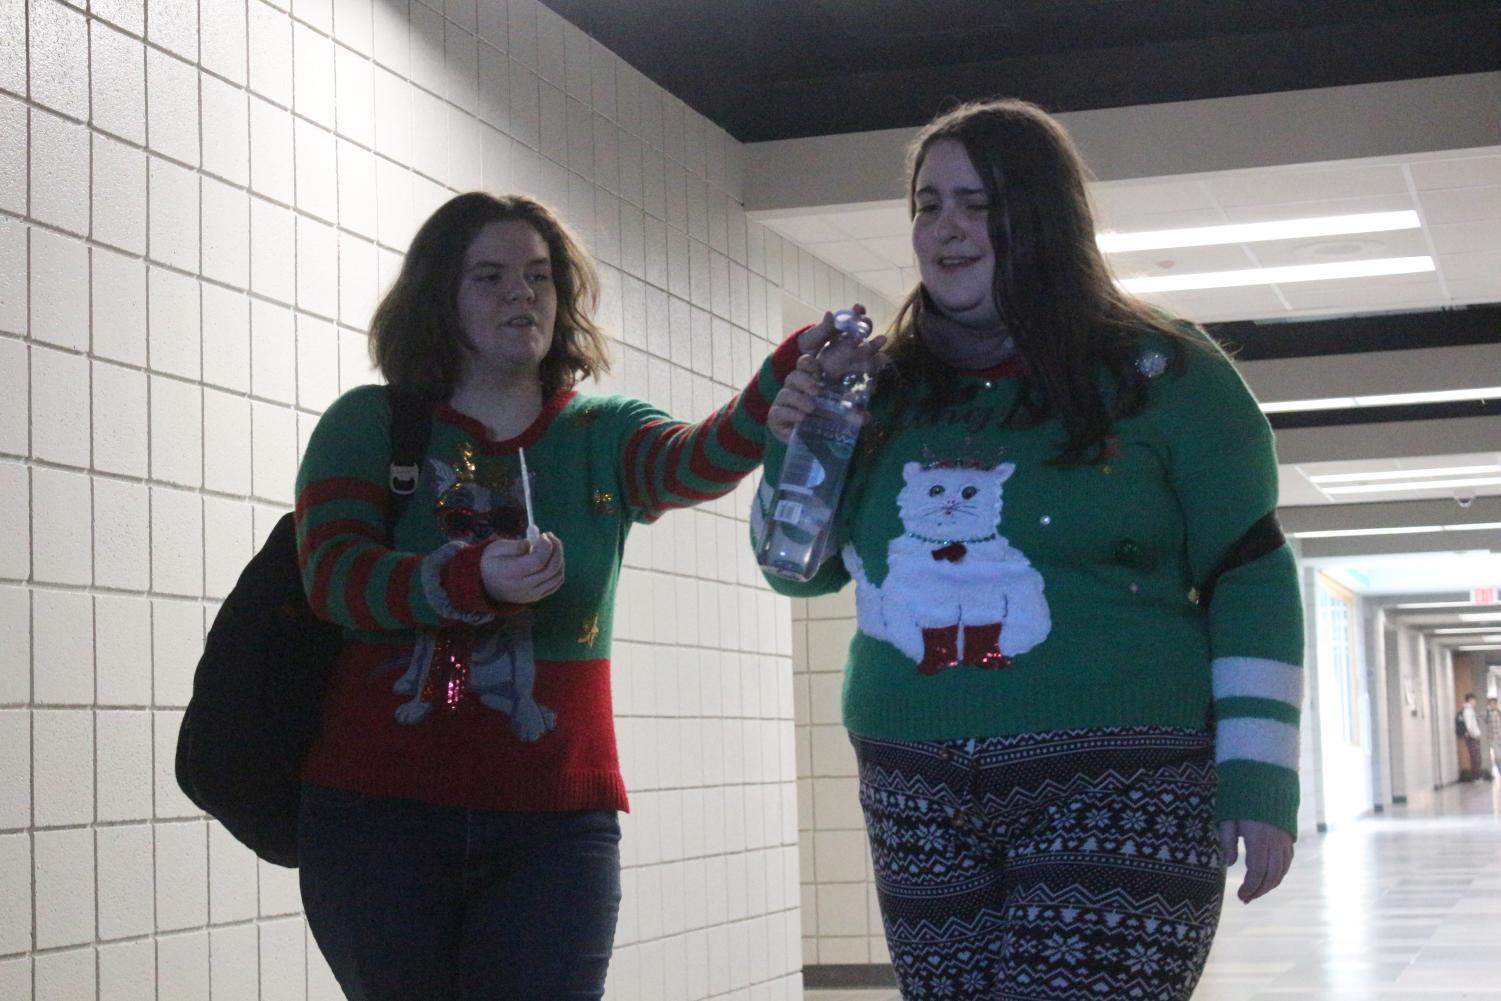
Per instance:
{"type": "Point", "coordinates": [849, 322]}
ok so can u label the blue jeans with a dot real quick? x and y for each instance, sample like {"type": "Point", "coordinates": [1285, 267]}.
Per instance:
{"type": "Point", "coordinates": [415, 902]}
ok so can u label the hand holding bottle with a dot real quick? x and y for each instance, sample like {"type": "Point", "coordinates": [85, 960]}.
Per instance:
{"type": "Point", "coordinates": [829, 355]}
{"type": "Point", "coordinates": [820, 410]}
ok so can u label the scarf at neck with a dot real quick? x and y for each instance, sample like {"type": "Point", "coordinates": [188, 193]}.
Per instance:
{"type": "Point", "coordinates": [960, 345]}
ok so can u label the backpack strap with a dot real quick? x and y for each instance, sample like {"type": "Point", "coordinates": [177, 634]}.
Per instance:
{"type": "Point", "coordinates": [1261, 538]}
{"type": "Point", "coordinates": [411, 426]}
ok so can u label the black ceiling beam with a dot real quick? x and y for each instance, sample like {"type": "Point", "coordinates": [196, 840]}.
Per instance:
{"type": "Point", "coordinates": [779, 69]}
{"type": "Point", "coordinates": [1261, 340]}
{"type": "Point", "coordinates": [1384, 415]}
{"type": "Point", "coordinates": [1081, 80]}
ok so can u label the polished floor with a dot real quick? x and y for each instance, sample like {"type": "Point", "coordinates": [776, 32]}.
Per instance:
{"type": "Point", "coordinates": [1404, 907]}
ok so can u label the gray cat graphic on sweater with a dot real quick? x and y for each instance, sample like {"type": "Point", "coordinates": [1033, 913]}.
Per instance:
{"type": "Point", "coordinates": [502, 667]}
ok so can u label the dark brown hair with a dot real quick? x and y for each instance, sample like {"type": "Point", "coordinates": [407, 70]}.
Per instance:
{"type": "Point", "coordinates": [1052, 287]}
{"type": "Point", "coordinates": [415, 337]}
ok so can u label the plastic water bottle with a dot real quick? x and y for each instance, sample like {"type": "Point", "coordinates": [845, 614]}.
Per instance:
{"type": "Point", "coordinates": [799, 521]}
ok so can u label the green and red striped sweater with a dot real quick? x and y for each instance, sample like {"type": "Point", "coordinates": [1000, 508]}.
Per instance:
{"type": "Point", "coordinates": [441, 695]}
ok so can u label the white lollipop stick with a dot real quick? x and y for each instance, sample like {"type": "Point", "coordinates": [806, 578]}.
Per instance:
{"type": "Point", "coordinates": [526, 493]}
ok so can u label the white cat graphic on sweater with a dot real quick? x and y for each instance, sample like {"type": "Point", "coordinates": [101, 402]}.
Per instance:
{"type": "Point", "coordinates": [955, 590]}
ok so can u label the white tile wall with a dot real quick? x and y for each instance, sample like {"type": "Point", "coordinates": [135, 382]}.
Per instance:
{"type": "Point", "coordinates": [200, 203]}
{"type": "Point", "coordinates": [182, 966]}
{"type": "Point", "coordinates": [66, 974]}
{"type": "Point", "coordinates": [841, 922]}
{"type": "Point", "coordinates": [63, 668]}
{"type": "Point", "coordinates": [127, 970]}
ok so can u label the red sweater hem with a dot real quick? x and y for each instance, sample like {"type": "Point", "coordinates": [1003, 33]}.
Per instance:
{"type": "Point", "coordinates": [470, 755]}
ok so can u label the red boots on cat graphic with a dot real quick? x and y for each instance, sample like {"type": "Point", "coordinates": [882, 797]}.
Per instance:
{"type": "Point", "coordinates": [982, 648]}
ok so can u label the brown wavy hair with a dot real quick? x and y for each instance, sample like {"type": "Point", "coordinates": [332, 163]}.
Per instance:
{"type": "Point", "coordinates": [1070, 322]}
{"type": "Point", "coordinates": [416, 339]}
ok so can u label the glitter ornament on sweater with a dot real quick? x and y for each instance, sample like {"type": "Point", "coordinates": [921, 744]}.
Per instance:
{"type": "Point", "coordinates": [1151, 364]}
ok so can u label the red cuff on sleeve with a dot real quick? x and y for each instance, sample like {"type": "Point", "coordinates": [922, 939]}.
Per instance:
{"type": "Point", "coordinates": [466, 588]}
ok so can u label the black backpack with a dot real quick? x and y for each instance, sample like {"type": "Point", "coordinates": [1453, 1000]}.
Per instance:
{"type": "Point", "coordinates": [257, 703]}
{"type": "Point", "coordinates": [1460, 729]}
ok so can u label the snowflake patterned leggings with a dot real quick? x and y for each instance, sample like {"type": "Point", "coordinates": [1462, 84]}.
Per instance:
{"type": "Point", "coordinates": [1076, 864]}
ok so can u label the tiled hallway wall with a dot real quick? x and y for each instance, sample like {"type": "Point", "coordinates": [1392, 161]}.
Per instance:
{"type": "Point", "coordinates": [200, 201]}
{"type": "Point", "coordinates": [841, 920]}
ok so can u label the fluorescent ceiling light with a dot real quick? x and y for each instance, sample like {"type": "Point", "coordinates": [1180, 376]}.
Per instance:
{"type": "Point", "coordinates": [1487, 646]}
{"type": "Point", "coordinates": [1285, 275]}
{"type": "Point", "coordinates": [1465, 629]}
{"type": "Point", "coordinates": [1341, 533]}
{"type": "Point", "coordinates": [1331, 403]}
{"type": "Point", "coordinates": [1436, 604]}
{"type": "Point", "coordinates": [1386, 400]}
{"type": "Point", "coordinates": [1436, 396]}
{"type": "Point", "coordinates": [1403, 474]}
{"type": "Point", "coordinates": [1387, 488]}
{"type": "Point", "coordinates": [1480, 617]}
{"type": "Point", "coordinates": [1255, 232]}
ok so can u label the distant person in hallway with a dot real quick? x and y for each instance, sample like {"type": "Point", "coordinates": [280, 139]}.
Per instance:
{"type": "Point", "coordinates": [1492, 726]}
{"type": "Point", "coordinates": [1475, 742]}
{"type": "Point", "coordinates": [1075, 687]}
{"type": "Point", "coordinates": [459, 835]}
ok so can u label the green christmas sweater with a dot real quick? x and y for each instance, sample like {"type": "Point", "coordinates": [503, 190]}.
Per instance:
{"type": "Point", "coordinates": [441, 695]}
{"type": "Point", "coordinates": [998, 593]}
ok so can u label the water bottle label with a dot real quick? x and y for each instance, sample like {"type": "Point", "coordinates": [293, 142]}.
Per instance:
{"type": "Point", "coordinates": [789, 512]}
{"type": "Point", "coordinates": [836, 430]}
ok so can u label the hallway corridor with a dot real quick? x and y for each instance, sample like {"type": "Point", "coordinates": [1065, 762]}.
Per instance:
{"type": "Point", "coordinates": [1405, 907]}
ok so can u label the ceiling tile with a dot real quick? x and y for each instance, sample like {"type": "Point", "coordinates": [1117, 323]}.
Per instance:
{"type": "Point", "coordinates": [1461, 204]}
{"type": "Point", "coordinates": [1443, 493]}
{"type": "Point", "coordinates": [892, 249]}
{"type": "Point", "coordinates": [1335, 467]}
{"type": "Point", "coordinates": [1445, 461]}
{"type": "Point", "coordinates": [1252, 302]}
{"type": "Point", "coordinates": [887, 281]}
{"type": "Point", "coordinates": [1339, 467]}
{"type": "Point", "coordinates": [1466, 237]}
{"type": "Point", "coordinates": [806, 229]}
{"type": "Point", "coordinates": [864, 224]}
{"type": "Point", "coordinates": [1460, 172]}
{"type": "Point", "coordinates": [850, 255]}
{"type": "Point", "coordinates": [1471, 267]}
{"type": "Point", "coordinates": [1142, 222]}
{"type": "Point", "coordinates": [1126, 200]}
{"type": "Point", "coordinates": [1271, 187]}
{"type": "Point", "coordinates": [1360, 247]}
{"type": "Point", "coordinates": [1278, 211]}
{"type": "Point", "coordinates": [1361, 294]}
{"type": "Point", "coordinates": [1474, 290]}
{"type": "Point", "coordinates": [1180, 261]}
{"type": "Point", "coordinates": [1293, 490]}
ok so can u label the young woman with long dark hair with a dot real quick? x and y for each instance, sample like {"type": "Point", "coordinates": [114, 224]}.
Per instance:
{"type": "Point", "coordinates": [1075, 684]}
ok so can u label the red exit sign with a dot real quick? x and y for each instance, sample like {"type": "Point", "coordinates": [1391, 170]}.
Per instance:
{"type": "Point", "coordinates": [1483, 596]}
